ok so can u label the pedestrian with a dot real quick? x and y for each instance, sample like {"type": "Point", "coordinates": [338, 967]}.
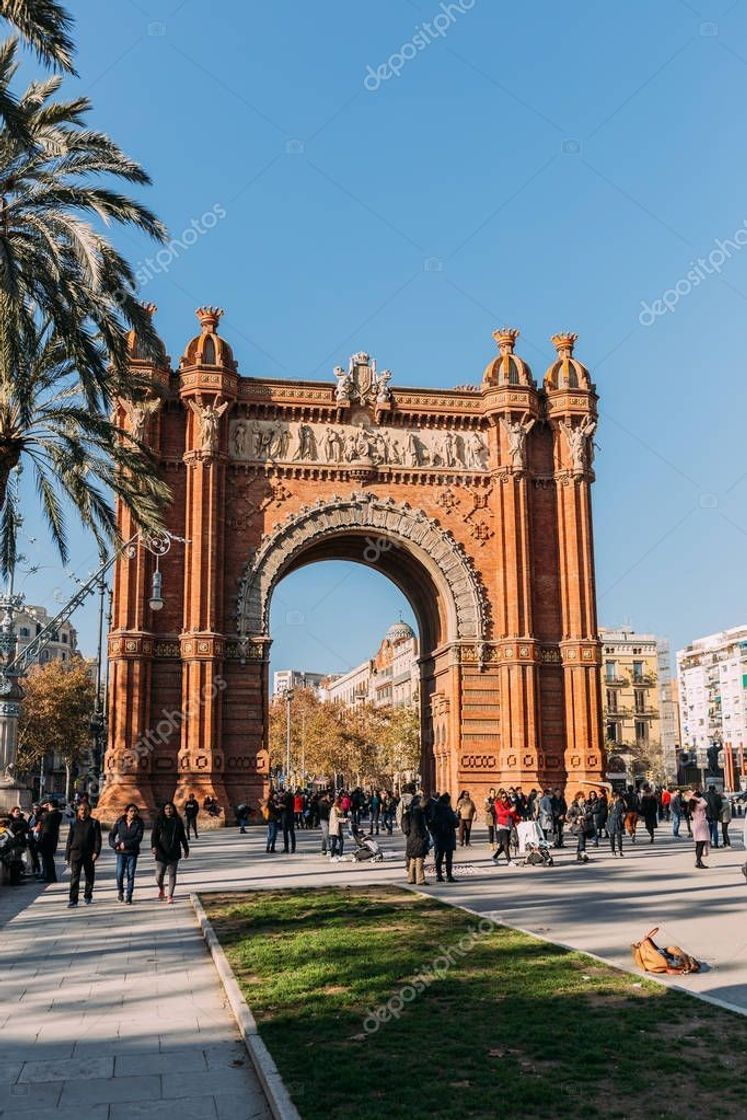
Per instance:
{"type": "Point", "coordinates": [298, 808]}
{"type": "Point", "coordinates": [337, 815]}
{"type": "Point", "coordinates": [168, 840]}
{"type": "Point", "coordinates": [698, 807]}
{"type": "Point", "coordinates": [466, 812]}
{"type": "Point", "coordinates": [714, 801]}
{"type": "Point", "coordinates": [676, 808]}
{"type": "Point", "coordinates": [288, 821]}
{"type": "Point", "coordinates": [506, 816]}
{"type": "Point", "coordinates": [544, 814]}
{"type": "Point", "coordinates": [191, 813]}
{"type": "Point", "coordinates": [666, 803]}
{"type": "Point", "coordinates": [490, 817]}
{"type": "Point", "coordinates": [416, 830]}
{"type": "Point", "coordinates": [18, 826]}
{"type": "Point", "coordinates": [616, 823]}
{"type": "Point", "coordinates": [324, 805]}
{"type": "Point", "coordinates": [632, 806]}
{"type": "Point", "coordinates": [726, 815]}
{"type": "Point", "coordinates": [243, 812]}
{"type": "Point", "coordinates": [593, 812]}
{"type": "Point", "coordinates": [559, 811]}
{"type": "Point", "coordinates": [125, 838]}
{"type": "Point", "coordinates": [32, 835]}
{"type": "Point", "coordinates": [581, 825]}
{"type": "Point", "coordinates": [649, 810]}
{"type": "Point", "coordinates": [443, 826]}
{"type": "Point", "coordinates": [375, 813]}
{"type": "Point", "coordinates": [271, 814]}
{"type": "Point", "coordinates": [48, 839]}
{"type": "Point", "coordinates": [82, 850]}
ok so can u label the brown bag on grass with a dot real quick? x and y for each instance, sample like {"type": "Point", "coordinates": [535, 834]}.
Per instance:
{"type": "Point", "coordinates": [672, 960]}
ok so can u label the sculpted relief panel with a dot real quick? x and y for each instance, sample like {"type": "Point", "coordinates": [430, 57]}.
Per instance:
{"type": "Point", "coordinates": [281, 441]}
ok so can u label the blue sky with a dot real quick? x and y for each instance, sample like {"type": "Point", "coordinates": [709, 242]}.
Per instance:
{"type": "Point", "coordinates": [542, 165]}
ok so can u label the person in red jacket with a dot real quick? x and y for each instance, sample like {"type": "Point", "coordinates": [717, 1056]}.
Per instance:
{"type": "Point", "coordinates": [506, 817]}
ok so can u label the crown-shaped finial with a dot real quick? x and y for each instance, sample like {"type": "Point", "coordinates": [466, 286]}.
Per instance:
{"type": "Point", "coordinates": [505, 338]}
{"type": "Point", "coordinates": [149, 308]}
{"type": "Point", "coordinates": [564, 342]}
{"type": "Point", "coordinates": [209, 318]}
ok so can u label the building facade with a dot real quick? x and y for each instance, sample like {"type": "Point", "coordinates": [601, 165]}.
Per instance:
{"type": "Point", "coordinates": [630, 678]}
{"type": "Point", "coordinates": [390, 677]}
{"type": "Point", "coordinates": [712, 674]}
{"type": "Point", "coordinates": [474, 501]}
{"type": "Point", "coordinates": [30, 621]}
{"type": "Point", "coordinates": [285, 679]}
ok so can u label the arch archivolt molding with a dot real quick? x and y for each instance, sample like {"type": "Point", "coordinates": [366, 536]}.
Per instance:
{"type": "Point", "coordinates": [385, 524]}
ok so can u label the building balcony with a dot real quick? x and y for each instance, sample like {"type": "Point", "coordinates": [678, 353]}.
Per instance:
{"type": "Point", "coordinates": [616, 682]}
{"type": "Point", "coordinates": [644, 680]}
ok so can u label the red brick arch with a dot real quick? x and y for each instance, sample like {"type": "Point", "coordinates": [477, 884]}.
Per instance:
{"type": "Point", "coordinates": [475, 501]}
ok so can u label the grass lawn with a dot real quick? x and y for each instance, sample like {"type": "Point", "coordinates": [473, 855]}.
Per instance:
{"type": "Point", "coordinates": [513, 1028]}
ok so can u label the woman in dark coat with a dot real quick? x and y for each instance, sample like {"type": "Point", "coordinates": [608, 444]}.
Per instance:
{"type": "Point", "coordinates": [167, 842]}
{"type": "Point", "coordinates": [416, 831]}
{"type": "Point", "coordinates": [444, 824]}
{"type": "Point", "coordinates": [649, 810]}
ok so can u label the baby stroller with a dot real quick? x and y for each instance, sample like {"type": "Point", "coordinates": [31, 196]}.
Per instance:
{"type": "Point", "coordinates": [366, 848]}
{"type": "Point", "coordinates": [531, 845]}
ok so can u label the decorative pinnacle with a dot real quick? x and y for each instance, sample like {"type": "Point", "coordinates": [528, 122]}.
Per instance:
{"type": "Point", "coordinates": [505, 338]}
{"type": "Point", "coordinates": [149, 308]}
{"type": "Point", "coordinates": [564, 343]}
{"type": "Point", "coordinates": [209, 318]}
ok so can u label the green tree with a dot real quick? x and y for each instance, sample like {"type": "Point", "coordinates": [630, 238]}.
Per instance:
{"type": "Point", "coordinates": [45, 27]}
{"type": "Point", "coordinates": [56, 717]}
{"type": "Point", "coordinates": [75, 454]}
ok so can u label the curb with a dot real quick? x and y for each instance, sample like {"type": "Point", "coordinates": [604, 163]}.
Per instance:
{"type": "Point", "coordinates": [278, 1097]}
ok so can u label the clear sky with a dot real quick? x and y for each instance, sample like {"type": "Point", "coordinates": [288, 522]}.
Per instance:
{"type": "Point", "coordinates": [547, 166]}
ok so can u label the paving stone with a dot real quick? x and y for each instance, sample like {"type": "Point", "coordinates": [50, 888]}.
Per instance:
{"type": "Point", "coordinates": [27, 1098]}
{"type": "Point", "coordinates": [126, 1065]}
{"type": "Point", "coordinates": [230, 1107]}
{"type": "Point", "coordinates": [68, 1070]}
{"type": "Point", "coordinates": [212, 1083]}
{"type": "Point", "coordinates": [9, 1072]}
{"type": "Point", "coordinates": [202, 1108]}
{"type": "Point", "coordinates": [110, 1089]}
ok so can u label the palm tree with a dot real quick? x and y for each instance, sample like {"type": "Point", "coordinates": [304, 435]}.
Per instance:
{"type": "Point", "coordinates": [76, 455]}
{"type": "Point", "coordinates": [44, 25]}
{"type": "Point", "coordinates": [53, 259]}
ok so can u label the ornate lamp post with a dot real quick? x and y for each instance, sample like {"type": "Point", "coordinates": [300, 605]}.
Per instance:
{"type": "Point", "coordinates": [15, 665]}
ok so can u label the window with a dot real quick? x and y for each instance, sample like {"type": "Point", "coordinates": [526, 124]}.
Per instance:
{"type": "Point", "coordinates": [611, 700]}
{"type": "Point", "coordinates": [610, 669]}
{"type": "Point", "coordinates": [637, 670]}
{"type": "Point", "coordinates": [640, 700]}
{"type": "Point", "coordinates": [641, 730]}
{"type": "Point", "coordinates": [24, 632]}
{"type": "Point", "coordinates": [612, 733]}
{"type": "Point", "coordinates": [64, 637]}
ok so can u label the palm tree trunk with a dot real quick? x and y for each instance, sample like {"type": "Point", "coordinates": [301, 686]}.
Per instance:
{"type": "Point", "coordinates": [9, 458]}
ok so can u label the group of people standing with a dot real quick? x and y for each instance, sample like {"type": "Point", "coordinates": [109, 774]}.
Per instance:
{"type": "Point", "coordinates": [286, 810]}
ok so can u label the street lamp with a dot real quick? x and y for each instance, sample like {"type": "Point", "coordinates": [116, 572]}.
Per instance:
{"type": "Point", "coordinates": [288, 699]}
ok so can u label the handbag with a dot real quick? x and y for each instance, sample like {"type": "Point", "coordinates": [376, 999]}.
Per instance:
{"type": "Point", "coordinates": [672, 960]}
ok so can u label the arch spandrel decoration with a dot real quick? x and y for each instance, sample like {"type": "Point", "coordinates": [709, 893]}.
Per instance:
{"type": "Point", "coordinates": [383, 518]}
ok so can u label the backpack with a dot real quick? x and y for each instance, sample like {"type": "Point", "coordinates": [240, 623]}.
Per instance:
{"type": "Point", "coordinates": [672, 960]}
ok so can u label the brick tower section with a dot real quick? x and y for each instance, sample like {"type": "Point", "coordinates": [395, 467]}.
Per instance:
{"type": "Point", "coordinates": [475, 501]}
{"type": "Point", "coordinates": [571, 408]}
{"type": "Point", "coordinates": [207, 394]}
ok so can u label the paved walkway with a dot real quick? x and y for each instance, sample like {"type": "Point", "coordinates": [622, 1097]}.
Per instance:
{"type": "Point", "coordinates": [113, 1011]}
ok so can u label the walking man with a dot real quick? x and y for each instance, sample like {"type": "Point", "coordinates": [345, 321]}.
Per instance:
{"type": "Point", "coordinates": [81, 852]}
{"type": "Point", "coordinates": [191, 810]}
{"type": "Point", "coordinates": [713, 813]}
{"type": "Point", "coordinates": [466, 810]}
{"type": "Point", "coordinates": [125, 838]}
{"type": "Point", "coordinates": [443, 826]}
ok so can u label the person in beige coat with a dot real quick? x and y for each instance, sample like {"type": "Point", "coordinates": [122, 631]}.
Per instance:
{"type": "Point", "coordinates": [465, 810]}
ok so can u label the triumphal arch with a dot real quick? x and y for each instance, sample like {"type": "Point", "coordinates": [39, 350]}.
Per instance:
{"type": "Point", "coordinates": [475, 501]}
